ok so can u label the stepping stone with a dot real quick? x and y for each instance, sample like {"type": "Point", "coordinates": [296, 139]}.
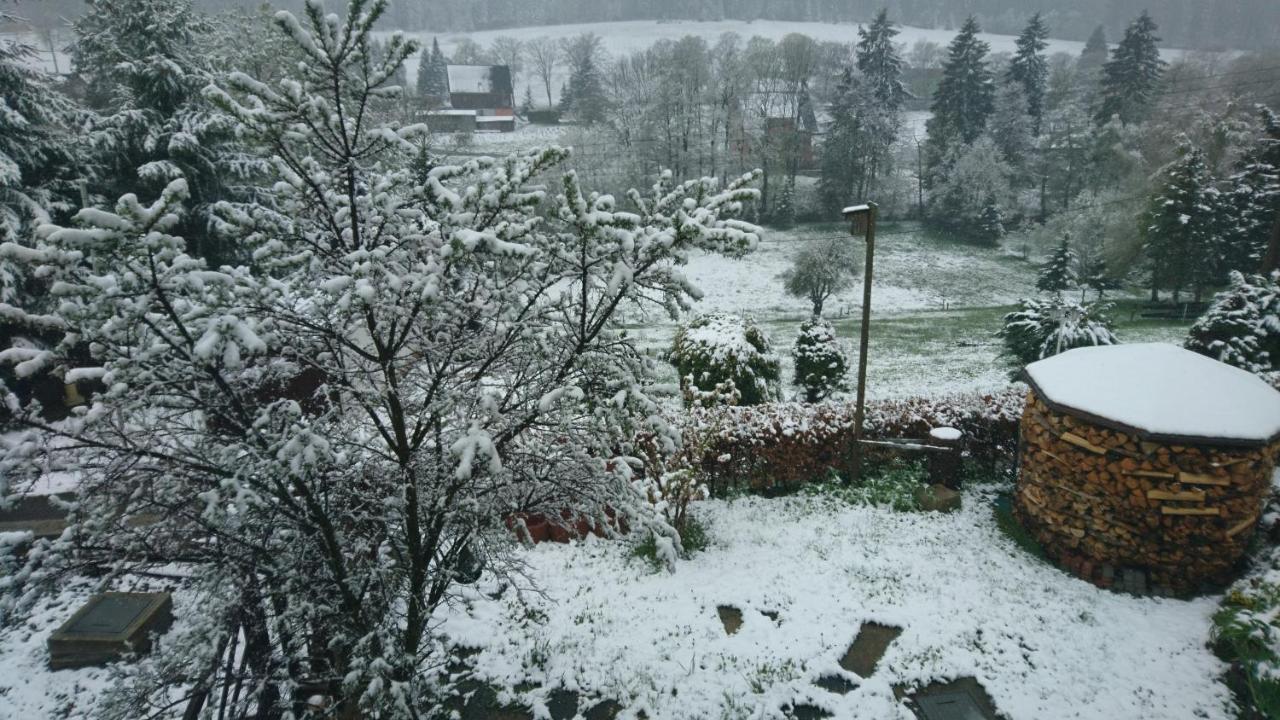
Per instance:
{"type": "Point", "coordinates": [806, 712]}
{"type": "Point", "coordinates": [962, 699]}
{"type": "Point", "coordinates": [108, 627]}
{"type": "Point", "coordinates": [607, 710]}
{"type": "Point", "coordinates": [837, 684]}
{"type": "Point", "coordinates": [867, 649]}
{"type": "Point", "coordinates": [937, 498]}
{"type": "Point", "coordinates": [562, 704]}
{"type": "Point", "coordinates": [730, 617]}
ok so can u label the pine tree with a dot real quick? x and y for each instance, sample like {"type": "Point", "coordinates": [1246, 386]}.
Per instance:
{"type": "Point", "coordinates": [1253, 198]}
{"type": "Point", "coordinates": [784, 209]}
{"type": "Point", "coordinates": [584, 96]}
{"type": "Point", "coordinates": [1130, 77]}
{"type": "Point", "coordinates": [1242, 325]}
{"type": "Point", "coordinates": [879, 99]}
{"type": "Point", "coordinates": [1094, 55]}
{"type": "Point", "coordinates": [1012, 127]}
{"type": "Point", "coordinates": [840, 164]}
{"type": "Point", "coordinates": [1043, 328]}
{"type": "Point", "coordinates": [1059, 273]}
{"type": "Point", "coordinates": [880, 63]}
{"type": "Point", "coordinates": [966, 94]}
{"type": "Point", "coordinates": [991, 221]}
{"type": "Point", "coordinates": [1179, 228]}
{"type": "Point", "coordinates": [1030, 70]}
{"type": "Point", "coordinates": [820, 364]}
{"type": "Point", "coordinates": [433, 78]}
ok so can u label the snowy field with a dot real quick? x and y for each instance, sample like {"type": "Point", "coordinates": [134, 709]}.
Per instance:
{"type": "Point", "coordinates": [1043, 644]}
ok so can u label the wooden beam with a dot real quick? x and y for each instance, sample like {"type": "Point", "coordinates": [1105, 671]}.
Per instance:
{"type": "Point", "coordinates": [1082, 443]}
{"type": "Point", "coordinates": [1151, 474]}
{"type": "Point", "coordinates": [1241, 526]}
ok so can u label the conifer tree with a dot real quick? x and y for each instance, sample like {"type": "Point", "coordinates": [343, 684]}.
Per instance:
{"type": "Point", "coordinates": [1179, 227]}
{"type": "Point", "coordinates": [1059, 273]}
{"type": "Point", "coordinates": [1130, 77]}
{"type": "Point", "coordinates": [1242, 325]}
{"type": "Point", "coordinates": [1030, 70]}
{"type": "Point", "coordinates": [1094, 55]}
{"type": "Point", "coordinates": [840, 164]}
{"type": "Point", "coordinates": [1012, 127]}
{"type": "Point", "coordinates": [880, 63]}
{"type": "Point", "coordinates": [584, 96]}
{"type": "Point", "coordinates": [966, 95]}
{"type": "Point", "coordinates": [991, 221]}
{"type": "Point", "coordinates": [433, 79]}
{"type": "Point", "coordinates": [1253, 199]}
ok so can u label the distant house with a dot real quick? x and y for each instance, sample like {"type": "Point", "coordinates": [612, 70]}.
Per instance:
{"type": "Point", "coordinates": [480, 97]}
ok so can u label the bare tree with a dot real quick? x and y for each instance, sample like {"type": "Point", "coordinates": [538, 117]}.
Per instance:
{"type": "Point", "coordinates": [506, 50]}
{"type": "Point", "coordinates": [544, 56]}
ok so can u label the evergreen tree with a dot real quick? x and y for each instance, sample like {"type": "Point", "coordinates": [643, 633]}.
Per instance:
{"type": "Point", "coordinates": [820, 364]}
{"type": "Point", "coordinates": [1242, 326]}
{"type": "Point", "coordinates": [584, 96]}
{"type": "Point", "coordinates": [1130, 77]}
{"type": "Point", "coordinates": [1012, 128]}
{"type": "Point", "coordinates": [1059, 273]}
{"type": "Point", "coordinates": [1043, 328]}
{"type": "Point", "coordinates": [140, 61]}
{"type": "Point", "coordinates": [1030, 70]}
{"type": "Point", "coordinates": [37, 148]}
{"type": "Point", "coordinates": [991, 221]}
{"type": "Point", "coordinates": [879, 99]}
{"type": "Point", "coordinates": [1094, 55]}
{"type": "Point", "coordinates": [880, 63]}
{"type": "Point", "coordinates": [840, 164]}
{"type": "Point", "coordinates": [784, 209]}
{"type": "Point", "coordinates": [433, 77]}
{"type": "Point", "coordinates": [1178, 229]}
{"type": "Point", "coordinates": [966, 94]}
{"type": "Point", "coordinates": [1253, 198]}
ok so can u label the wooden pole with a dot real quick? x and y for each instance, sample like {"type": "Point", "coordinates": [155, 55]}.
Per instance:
{"type": "Point", "coordinates": [864, 340]}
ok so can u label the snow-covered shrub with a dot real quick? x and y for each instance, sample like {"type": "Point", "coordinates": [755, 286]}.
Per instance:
{"type": "Point", "coordinates": [790, 444]}
{"type": "Point", "coordinates": [1242, 325]}
{"type": "Point", "coordinates": [821, 365]}
{"type": "Point", "coordinates": [717, 348]}
{"type": "Point", "coordinates": [1246, 634]}
{"type": "Point", "coordinates": [465, 361]}
{"type": "Point", "coordinates": [1043, 328]}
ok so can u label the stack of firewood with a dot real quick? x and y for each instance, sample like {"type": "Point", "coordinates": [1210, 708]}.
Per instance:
{"type": "Point", "coordinates": [1103, 501]}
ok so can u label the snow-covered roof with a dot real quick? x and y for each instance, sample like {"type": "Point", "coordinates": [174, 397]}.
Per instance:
{"type": "Point", "coordinates": [452, 112]}
{"type": "Point", "coordinates": [856, 209]}
{"type": "Point", "coordinates": [479, 79]}
{"type": "Point", "coordinates": [1161, 391]}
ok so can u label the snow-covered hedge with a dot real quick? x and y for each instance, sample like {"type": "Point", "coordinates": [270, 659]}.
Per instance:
{"type": "Point", "coordinates": [718, 348]}
{"type": "Point", "coordinates": [788, 444]}
{"type": "Point", "coordinates": [1242, 326]}
{"type": "Point", "coordinates": [821, 366]}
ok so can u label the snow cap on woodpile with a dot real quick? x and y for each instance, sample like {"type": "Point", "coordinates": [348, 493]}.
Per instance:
{"type": "Point", "coordinates": [1161, 392]}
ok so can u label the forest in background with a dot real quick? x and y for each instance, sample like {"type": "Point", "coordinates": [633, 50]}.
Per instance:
{"type": "Point", "coordinates": [1241, 24]}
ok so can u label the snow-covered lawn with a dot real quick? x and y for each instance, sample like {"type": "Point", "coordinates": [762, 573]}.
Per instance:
{"type": "Point", "coordinates": [970, 603]}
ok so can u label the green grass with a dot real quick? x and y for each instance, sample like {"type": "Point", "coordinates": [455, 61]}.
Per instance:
{"type": "Point", "coordinates": [891, 484]}
{"type": "Point", "coordinates": [694, 539]}
{"type": "Point", "coordinates": [1013, 529]}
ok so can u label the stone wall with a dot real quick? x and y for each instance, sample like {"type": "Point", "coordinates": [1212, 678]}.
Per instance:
{"type": "Point", "coordinates": [1119, 510]}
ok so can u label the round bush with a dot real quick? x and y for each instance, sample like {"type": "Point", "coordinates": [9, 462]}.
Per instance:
{"type": "Point", "coordinates": [719, 348]}
{"type": "Point", "coordinates": [821, 366]}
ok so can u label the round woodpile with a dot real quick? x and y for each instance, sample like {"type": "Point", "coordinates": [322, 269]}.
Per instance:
{"type": "Point", "coordinates": [1120, 503]}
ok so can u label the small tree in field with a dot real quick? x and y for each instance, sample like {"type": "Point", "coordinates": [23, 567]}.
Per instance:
{"type": "Point", "coordinates": [324, 440]}
{"type": "Point", "coordinates": [821, 269]}
{"type": "Point", "coordinates": [1242, 325]}
{"type": "Point", "coordinates": [1059, 273]}
{"type": "Point", "coordinates": [821, 365]}
{"type": "Point", "coordinates": [716, 349]}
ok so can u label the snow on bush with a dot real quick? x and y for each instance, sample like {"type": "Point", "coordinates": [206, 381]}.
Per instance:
{"type": "Point", "coordinates": [821, 365]}
{"type": "Point", "coordinates": [1242, 325]}
{"type": "Point", "coordinates": [789, 444]}
{"type": "Point", "coordinates": [719, 348]}
{"type": "Point", "coordinates": [1043, 328]}
{"type": "Point", "coordinates": [323, 441]}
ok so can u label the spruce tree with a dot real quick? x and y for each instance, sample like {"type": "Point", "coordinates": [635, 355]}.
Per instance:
{"type": "Point", "coordinates": [991, 221]}
{"type": "Point", "coordinates": [1242, 325]}
{"type": "Point", "coordinates": [880, 63]}
{"type": "Point", "coordinates": [1030, 69]}
{"type": "Point", "coordinates": [1253, 199]}
{"type": "Point", "coordinates": [433, 77]}
{"type": "Point", "coordinates": [1012, 127]}
{"type": "Point", "coordinates": [584, 96]}
{"type": "Point", "coordinates": [1094, 55]}
{"type": "Point", "coordinates": [841, 161]}
{"type": "Point", "coordinates": [965, 97]}
{"type": "Point", "coordinates": [1179, 228]}
{"type": "Point", "coordinates": [1130, 77]}
{"type": "Point", "coordinates": [1059, 273]}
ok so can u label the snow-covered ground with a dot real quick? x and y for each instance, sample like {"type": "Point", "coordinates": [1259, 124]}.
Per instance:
{"type": "Point", "coordinates": [970, 603]}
